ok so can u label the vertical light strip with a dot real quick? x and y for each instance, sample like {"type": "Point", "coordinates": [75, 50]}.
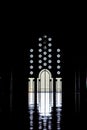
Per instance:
{"type": "Point", "coordinates": [58, 101]}
{"type": "Point", "coordinates": [51, 93]}
{"type": "Point", "coordinates": [58, 92]}
{"type": "Point", "coordinates": [31, 89]}
{"type": "Point", "coordinates": [45, 103]}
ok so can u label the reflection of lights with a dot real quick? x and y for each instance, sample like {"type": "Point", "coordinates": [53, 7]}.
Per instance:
{"type": "Point", "coordinates": [59, 99]}
{"type": "Point", "coordinates": [44, 109]}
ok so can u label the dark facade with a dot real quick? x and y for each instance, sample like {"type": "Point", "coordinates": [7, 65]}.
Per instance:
{"type": "Point", "coordinates": [13, 74]}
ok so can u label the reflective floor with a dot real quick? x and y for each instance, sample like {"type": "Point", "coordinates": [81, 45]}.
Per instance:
{"type": "Point", "coordinates": [46, 122]}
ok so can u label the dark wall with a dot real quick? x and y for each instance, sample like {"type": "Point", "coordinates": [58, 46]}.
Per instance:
{"type": "Point", "coordinates": [15, 39]}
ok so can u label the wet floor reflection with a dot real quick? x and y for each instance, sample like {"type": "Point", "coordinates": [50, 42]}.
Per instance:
{"type": "Point", "coordinates": [45, 123]}
{"type": "Point", "coordinates": [38, 122]}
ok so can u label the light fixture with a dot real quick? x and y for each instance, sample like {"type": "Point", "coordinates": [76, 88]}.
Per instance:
{"type": "Point", "coordinates": [40, 61]}
{"type": "Point", "coordinates": [31, 72]}
{"type": "Point", "coordinates": [58, 72]}
{"type": "Point", "coordinates": [31, 50]}
{"type": "Point", "coordinates": [40, 67]}
{"type": "Point", "coordinates": [49, 55]}
{"type": "Point", "coordinates": [31, 61]}
{"type": "Point", "coordinates": [31, 67]}
{"type": "Point", "coordinates": [49, 44]}
{"type": "Point", "coordinates": [39, 44]}
{"type": "Point", "coordinates": [44, 64]}
{"type": "Point", "coordinates": [58, 50]}
{"type": "Point", "coordinates": [44, 52]}
{"type": "Point", "coordinates": [44, 58]}
{"type": "Point", "coordinates": [58, 61]}
{"type": "Point", "coordinates": [40, 56]}
{"type": "Point", "coordinates": [49, 67]}
{"type": "Point", "coordinates": [58, 55]}
{"type": "Point", "coordinates": [58, 67]}
{"type": "Point", "coordinates": [40, 39]}
{"type": "Point", "coordinates": [49, 39]}
{"type": "Point", "coordinates": [49, 50]}
{"type": "Point", "coordinates": [31, 56]}
{"type": "Point", "coordinates": [49, 61]}
{"type": "Point", "coordinates": [40, 50]}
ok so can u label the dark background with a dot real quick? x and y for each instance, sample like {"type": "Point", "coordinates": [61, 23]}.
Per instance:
{"type": "Point", "coordinates": [17, 31]}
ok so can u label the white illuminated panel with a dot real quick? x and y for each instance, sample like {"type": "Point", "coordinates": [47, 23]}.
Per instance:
{"type": "Point", "coordinates": [58, 92]}
{"type": "Point", "coordinates": [31, 88]}
{"type": "Point", "coordinates": [45, 92]}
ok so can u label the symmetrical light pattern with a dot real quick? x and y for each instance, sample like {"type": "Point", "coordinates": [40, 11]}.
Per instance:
{"type": "Point", "coordinates": [44, 84]}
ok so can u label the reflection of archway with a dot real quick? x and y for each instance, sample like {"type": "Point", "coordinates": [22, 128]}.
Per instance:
{"type": "Point", "coordinates": [45, 92]}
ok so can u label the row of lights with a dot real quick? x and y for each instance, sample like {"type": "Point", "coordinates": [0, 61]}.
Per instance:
{"type": "Point", "coordinates": [44, 56]}
{"type": "Point", "coordinates": [49, 44]}
{"type": "Point", "coordinates": [40, 50]}
{"type": "Point", "coordinates": [49, 56]}
{"type": "Point", "coordinates": [31, 61]}
{"type": "Point", "coordinates": [45, 36]}
{"type": "Point", "coordinates": [45, 43]}
{"type": "Point", "coordinates": [58, 61]}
